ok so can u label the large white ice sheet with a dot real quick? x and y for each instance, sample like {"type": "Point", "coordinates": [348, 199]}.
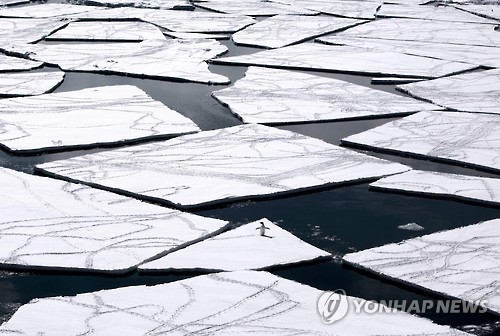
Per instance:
{"type": "Point", "coordinates": [469, 138]}
{"type": "Point", "coordinates": [463, 187]}
{"type": "Point", "coordinates": [222, 304]}
{"type": "Point", "coordinates": [29, 83]}
{"type": "Point", "coordinates": [489, 11]}
{"type": "Point", "coordinates": [347, 8]}
{"type": "Point", "coordinates": [348, 59]}
{"type": "Point", "coordinates": [282, 30]}
{"type": "Point", "coordinates": [269, 96]}
{"type": "Point", "coordinates": [223, 165]}
{"type": "Point", "coordinates": [252, 7]}
{"type": "Point", "coordinates": [15, 64]}
{"type": "Point", "coordinates": [165, 59]}
{"type": "Point", "coordinates": [242, 248]}
{"type": "Point", "coordinates": [50, 224]}
{"type": "Point", "coordinates": [472, 92]}
{"type": "Point", "coordinates": [462, 263]}
{"type": "Point", "coordinates": [27, 30]}
{"type": "Point", "coordinates": [112, 114]}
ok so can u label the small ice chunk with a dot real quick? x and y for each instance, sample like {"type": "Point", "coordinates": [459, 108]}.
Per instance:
{"type": "Point", "coordinates": [411, 227]}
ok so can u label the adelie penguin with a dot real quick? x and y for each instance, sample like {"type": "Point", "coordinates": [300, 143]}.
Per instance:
{"type": "Point", "coordinates": [262, 229]}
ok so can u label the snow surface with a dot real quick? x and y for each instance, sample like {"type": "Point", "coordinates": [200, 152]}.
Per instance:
{"type": "Point", "coordinates": [223, 165]}
{"type": "Point", "coordinates": [46, 10]}
{"type": "Point", "coordinates": [252, 7]}
{"type": "Point", "coordinates": [462, 263]}
{"type": "Point", "coordinates": [348, 8]}
{"type": "Point", "coordinates": [469, 138]}
{"type": "Point", "coordinates": [242, 248]}
{"type": "Point", "coordinates": [15, 64]}
{"type": "Point", "coordinates": [29, 83]}
{"type": "Point", "coordinates": [223, 304]}
{"type": "Point", "coordinates": [280, 96]}
{"type": "Point", "coordinates": [55, 225]}
{"type": "Point", "coordinates": [475, 188]}
{"type": "Point", "coordinates": [14, 30]}
{"type": "Point", "coordinates": [109, 114]}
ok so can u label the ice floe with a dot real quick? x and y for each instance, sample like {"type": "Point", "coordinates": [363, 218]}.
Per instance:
{"type": "Point", "coordinates": [165, 59]}
{"type": "Point", "coordinates": [55, 225]}
{"type": "Point", "coordinates": [462, 263]}
{"type": "Point", "coordinates": [252, 7]}
{"type": "Point", "coordinates": [459, 137]}
{"type": "Point", "coordinates": [277, 247]}
{"type": "Point", "coordinates": [348, 59]}
{"type": "Point", "coordinates": [474, 188]}
{"type": "Point", "coordinates": [270, 96]}
{"type": "Point", "coordinates": [88, 117]}
{"type": "Point", "coordinates": [488, 11]}
{"type": "Point", "coordinates": [161, 4]}
{"type": "Point", "coordinates": [8, 63]}
{"type": "Point", "coordinates": [14, 30]}
{"type": "Point", "coordinates": [282, 30]}
{"type": "Point", "coordinates": [471, 92]}
{"type": "Point", "coordinates": [196, 35]}
{"type": "Point", "coordinates": [246, 161]}
{"type": "Point", "coordinates": [229, 303]}
{"type": "Point", "coordinates": [51, 10]}
{"type": "Point", "coordinates": [29, 83]}
{"type": "Point", "coordinates": [411, 227]}
{"type": "Point", "coordinates": [348, 8]}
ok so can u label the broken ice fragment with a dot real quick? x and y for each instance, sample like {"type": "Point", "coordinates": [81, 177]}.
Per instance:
{"type": "Point", "coordinates": [411, 227]}
{"type": "Point", "coordinates": [15, 64]}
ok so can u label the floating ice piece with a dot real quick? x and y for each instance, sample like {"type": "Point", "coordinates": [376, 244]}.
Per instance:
{"type": "Point", "coordinates": [282, 30]}
{"type": "Point", "coordinates": [472, 92]}
{"type": "Point", "coordinates": [487, 11]}
{"type": "Point", "coordinates": [229, 303]}
{"type": "Point", "coordinates": [27, 30]}
{"type": "Point", "coordinates": [88, 117]}
{"type": "Point", "coordinates": [348, 8]}
{"type": "Point", "coordinates": [480, 55]}
{"type": "Point", "coordinates": [161, 4]}
{"type": "Point", "coordinates": [52, 224]}
{"type": "Point", "coordinates": [411, 227]}
{"type": "Point", "coordinates": [348, 59]}
{"type": "Point", "coordinates": [108, 31]}
{"type": "Point", "coordinates": [165, 59]}
{"type": "Point", "coordinates": [246, 161]}
{"type": "Point", "coordinates": [196, 36]}
{"type": "Point", "coordinates": [427, 31]}
{"type": "Point", "coordinates": [462, 263]}
{"type": "Point", "coordinates": [50, 10]}
{"type": "Point", "coordinates": [469, 138]}
{"type": "Point", "coordinates": [480, 189]}
{"type": "Point", "coordinates": [394, 80]}
{"type": "Point", "coordinates": [15, 64]}
{"type": "Point", "coordinates": [270, 96]}
{"type": "Point", "coordinates": [252, 7]}
{"type": "Point", "coordinates": [435, 13]}
{"type": "Point", "coordinates": [29, 83]}
{"type": "Point", "coordinates": [240, 249]}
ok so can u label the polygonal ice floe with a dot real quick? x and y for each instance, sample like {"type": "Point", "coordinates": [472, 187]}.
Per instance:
{"type": "Point", "coordinates": [15, 64]}
{"type": "Point", "coordinates": [463, 187]}
{"type": "Point", "coordinates": [54, 225]}
{"type": "Point", "coordinates": [252, 7]}
{"type": "Point", "coordinates": [469, 138]}
{"type": "Point", "coordinates": [472, 92]}
{"type": "Point", "coordinates": [243, 248]}
{"type": "Point", "coordinates": [88, 117]}
{"type": "Point", "coordinates": [348, 59]}
{"type": "Point", "coordinates": [269, 96]}
{"type": "Point", "coordinates": [29, 83]}
{"type": "Point", "coordinates": [165, 59]}
{"type": "Point", "coordinates": [108, 31]}
{"type": "Point", "coordinates": [162, 4]}
{"type": "Point", "coordinates": [348, 8]}
{"type": "Point", "coordinates": [427, 31]}
{"type": "Point", "coordinates": [230, 303]}
{"type": "Point", "coordinates": [246, 161]}
{"type": "Point", "coordinates": [489, 11]}
{"type": "Point", "coordinates": [196, 36]}
{"type": "Point", "coordinates": [282, 30]}
{"type": "Point", "coordinates": [27, 30]}
{"type": "Point", "coordinates": [462, 263]}
{"type": "Point", "coordinates": [46, 10]}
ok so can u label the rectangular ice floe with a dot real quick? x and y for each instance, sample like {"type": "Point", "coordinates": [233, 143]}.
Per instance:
{"type": "Point", "coordinates": [230, 303]}
{"type": "Point", "coordinates": [348, 59]}
{"type": "Point", "coordinates": [270, 96]}
{"type": "Point", "coordinates": [51, 10]}
{"type": "Point", "coordinates": [8, 63]}
{"type": "Point", "coordinates": [282, 30]}
{"type": "Point", "coordinates": [470, 138]}
{"type": "Point", "coordinates": [27, 30]}
{"type": "Point", "coordinates": [462, 263]}
{"type": "Point", "coordinates": [29, 83]}
{"type": "Point", "coordinates": [246, 161]}
{"type": "Point", "coordinates": [165, 59]}
{"type": "Point", "coordinates": [252, 7]}
{"type": "Point", "coordinates": [54, 225]}
{"type": "Point", "coordinates": [462, 187]}
{"type": "Point", "coordinates": [347, 8]}
{"type": "Point", "coordinates": [88, 117]}
{"type": "Point", "coordinates": [471, 92]}
{"type": "Point", "coordinates": [257, 245]}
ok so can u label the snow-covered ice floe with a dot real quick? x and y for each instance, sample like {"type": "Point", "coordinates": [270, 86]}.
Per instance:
{"type": "Point", "coordinates": [470, 138]}
{"type": "Point", "coordinates": [471, 92]}
{"type": "Point", "coordinates": [29, 83]}
{"type": "Point", "coordinates": [348, 59]}
{"type": "Point", "coordinates": [491, 11]}
{"type": "Point", "coordinates": [462, 263]}
{"type": "Point", "coordinates": [51, 10]}
{"type": "Point", "coordinates": [244, 248]}
{"type": "Point", "coordinates": [166, 59]}
{"type": "Point", "coordinates": [252, 7]}
{"type": "Point", "coordinates": [8, 63]}
{"type": "Point", "coordinates": [347, 8]}
{"type": "Point", "coordinates": [411, 227]}
{"type": "Point", "coordinates": [161, 4]}
{"type": "Point", "coordinates": [224, 165]}
{"type": "Point", "coordinates": [463, 187]}
{"type": "Point", "coordinates": [229, 303]}
{"type": "Point", "coordinates": [14, 30]}
{"type": "Point", "coordinates": [54, 225]}
{"type": "Point", "coordinates": [270, 96]}
{"type": "Point", "coordinates": [282, 30]}
{"type": "Point", "coordinates": [88, 117]}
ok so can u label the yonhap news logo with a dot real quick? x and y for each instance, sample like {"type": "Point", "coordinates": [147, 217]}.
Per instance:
{"type": "Point", "coordinates": [333, 306]}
